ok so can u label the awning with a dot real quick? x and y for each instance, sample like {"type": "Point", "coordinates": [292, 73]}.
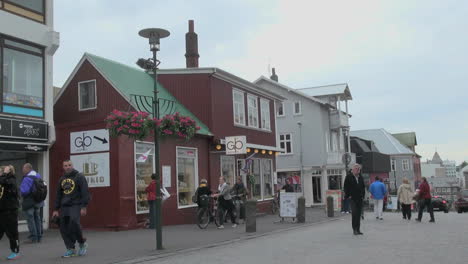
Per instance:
{"type": "Point", "coordinates": [23, 146]}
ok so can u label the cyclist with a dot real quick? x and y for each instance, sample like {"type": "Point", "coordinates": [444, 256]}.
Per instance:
{"type": "Point", "coordinates": [225, 202]}
{"type": "Point", "coordinates": [239, 193]}
{"type": "Point", "coordinates": [203, 189]}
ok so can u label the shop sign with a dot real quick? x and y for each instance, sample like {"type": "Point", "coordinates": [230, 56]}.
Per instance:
{"type": "Point", "coordinates": [288, 204]}
{"type": "Point", "coordinates": [89, 141]}
{"type": "Point", "coordinates": [22, 129]}
{"type": "Point", "coordinates": [95, 168]}
{"type": "Point", "coordinates": [22, 147]}
{"type": "Point", "coordinates": [236, 145]}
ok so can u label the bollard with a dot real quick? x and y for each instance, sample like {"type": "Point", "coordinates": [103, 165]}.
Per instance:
{"type": "Point", "coordinates": [251, 216]}
{"type": "Point", "coordinates": [301, 212]}
{"type": "Point", "coordinates": [330, 207]}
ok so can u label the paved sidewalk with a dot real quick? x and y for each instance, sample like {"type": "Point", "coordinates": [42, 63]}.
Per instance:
{"type": "Point", "coordinates": [114, 247]}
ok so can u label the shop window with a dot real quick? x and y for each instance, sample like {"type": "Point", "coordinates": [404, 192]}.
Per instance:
{"type": "Point", "coordinates": [265, 114]}
{"type": "Point", "coordinates": [293, 176]}
{"type": "Point", "coordinates": [239, 107]}
{"type": "Point", "coordinates": [257, 186]}
{"type": "Point", "coordinates": [87, 95]}
{"type": "Point", "coordinates": [267, 175]}
{"type": "Point", "coordinates": [22, 78]}
{"type": "Point", "coordinates": [144, 168]}
{"type": "Point", "coordinates": [334, 179]}
{"type": "Point", "coordinates": [262, 172]}
{"type": "Point", "coordinates": [252, 104]}
{"type": "Point", "coordinates": [187, 175]}
{"type": "Point", "coordinates": [286, 143]}
{"type": "Point", "coordinates": [228, 169]}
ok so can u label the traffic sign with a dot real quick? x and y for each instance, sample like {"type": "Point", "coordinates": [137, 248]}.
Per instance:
{"type": "Point", "coordinates": [89, 141]}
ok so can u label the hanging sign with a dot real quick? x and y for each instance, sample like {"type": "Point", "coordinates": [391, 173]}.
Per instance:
{"type": "Point", "coordinates": [236, 145]}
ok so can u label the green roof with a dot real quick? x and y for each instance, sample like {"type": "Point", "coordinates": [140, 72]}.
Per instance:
{"type": "Point", "coordinates": [408, 139]}
{"type": "Point", "coordinates": [129, 80]}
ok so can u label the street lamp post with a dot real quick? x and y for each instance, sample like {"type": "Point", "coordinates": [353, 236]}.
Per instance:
{"type": "Point", "coordinates": [154, 35]}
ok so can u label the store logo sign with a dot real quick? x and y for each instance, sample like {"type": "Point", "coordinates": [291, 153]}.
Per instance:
{"type": "Point", "coordinates": [236, 145]}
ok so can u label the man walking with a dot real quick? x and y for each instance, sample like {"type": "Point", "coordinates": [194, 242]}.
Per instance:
{"type": "Point", "coordinates": [425, 200]}
{"type": "Point", "coordinates": [29, 205]}
{"type": "Point", "coordinates": [72, 200]}
{"type": "Point", "coordinates": [355, 190]}
{"type": "Point", "coordinates": [225, 202]}
{"type": "Point", "coordinates": [378, 191]}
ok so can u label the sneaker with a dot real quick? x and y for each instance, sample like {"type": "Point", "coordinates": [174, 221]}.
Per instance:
{"type": "Point", "coordinates": [381, 218]}
{"type": "Point", "coordinates": [432, 221]}
{"type": "Point", "coordinates": [221, 227]}
{"type": "Point", "coordinates": [234, 225]}
{"type": "Point", "coordinates": [13, 256]}
{"type": "Point", "coordinates": [69, 253]}
{"type": "Point", "coordinates": [377, 218]}
{"type": "Point", "coordinates": [83, 249]}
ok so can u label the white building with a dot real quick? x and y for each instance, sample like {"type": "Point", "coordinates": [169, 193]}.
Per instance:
{"type": "Point", "coordinates": [27, 44]}
{"type": "Point", "coordinates": [450, 168]}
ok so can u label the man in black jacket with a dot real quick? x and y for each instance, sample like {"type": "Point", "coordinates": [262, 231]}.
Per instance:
{"type": "Point", "coordinates": [354, 188]}
{"type": "Point", "coordinates": [9, 204]}
{"type": "Point", "coordinates": [72, 200]}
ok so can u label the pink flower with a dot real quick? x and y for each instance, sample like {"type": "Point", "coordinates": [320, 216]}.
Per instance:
{"type": "Point", "coordinates": [126, 127]}
{"type": "Point", "coordinates": [119, 129]}
{"type": "Point", "coordinates": [167, 132]}
{"type": "Point", "coordinates": [116, 122]}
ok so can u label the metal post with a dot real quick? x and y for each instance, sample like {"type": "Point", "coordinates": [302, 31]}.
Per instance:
{"type": "Point", "coordinates": [158, 203]}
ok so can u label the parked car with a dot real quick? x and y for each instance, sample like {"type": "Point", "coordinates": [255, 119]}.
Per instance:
{"type": "Point", "coordinates": [440, 204]}
{"type": "Point", "coordinates": [461, 204]}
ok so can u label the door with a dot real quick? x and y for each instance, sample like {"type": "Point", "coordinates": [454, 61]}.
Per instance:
{"type": "Point", "coordinates": [317, 189]}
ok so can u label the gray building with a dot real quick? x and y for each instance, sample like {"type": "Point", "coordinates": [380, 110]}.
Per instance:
{"type": "Point", "coordinates": [312, 133]}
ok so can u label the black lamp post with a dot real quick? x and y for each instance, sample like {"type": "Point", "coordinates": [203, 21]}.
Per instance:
{"type": "Point", "coordinates": [154, 35]}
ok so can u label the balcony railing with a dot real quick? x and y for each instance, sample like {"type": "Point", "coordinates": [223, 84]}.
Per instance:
{"type": "Point", "coordinates": [337, 120]}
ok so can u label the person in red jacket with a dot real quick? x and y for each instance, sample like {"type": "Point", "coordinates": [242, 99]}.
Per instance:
{"type": "Point", "coordinates": [151, 197]}
{"type": "Point", "coordinates": [425, 200]}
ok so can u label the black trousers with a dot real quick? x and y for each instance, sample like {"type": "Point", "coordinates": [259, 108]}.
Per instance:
{"type": "Point", "coordinates": [426, 203]}
{"type": "Point", "coordinates": [356, 211]}
{"type": "Point", "coordinates": [70, 227]}
{"type": "Point", "coordinates": [406, 210]}
{"type": "Point", "coordinates": [9, 226]}
{"type": "Point", "coordinates": [231, 209]}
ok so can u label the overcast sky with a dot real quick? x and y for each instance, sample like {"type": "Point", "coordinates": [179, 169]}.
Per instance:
{"type": "Point", "coordinates": [406, 62]}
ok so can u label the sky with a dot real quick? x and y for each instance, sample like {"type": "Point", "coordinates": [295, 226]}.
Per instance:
{"type": "Point", "coordinates": [406, 62]}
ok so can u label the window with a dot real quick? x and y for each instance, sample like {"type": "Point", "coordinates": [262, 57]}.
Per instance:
{"type": "Point", "coordinates": [297, 108]}
{"type": "Point", "coordinates": [87, 95]}
{"type": "Point", "coordinates": [405, 164]}
{"type": "Point", "coordinates": [261, 170]}
{"type": "Point", "coordinates": [334, 179]}
{"type": "Point", "coordinates": [187, 175]}
{"type": "Point", "coordinates": [393, 165]}
{"type": "Point", "coordinates": [239, 107]}
{"type": "Point", "coordinates": [280, 109]}
{"type": "Point", "coordinates": [267, 176]}
{"type": "Point", "coordinates": [252, 104]}
{"type": "Point", "coordinates": [294, 178]}
{"type": "Point", "coordinates": [30, 9]}
{"type": "Point", "coordinates": [265, 114]}
{"type": "Point", "coordinates": [228, 169]}
{"type": "Point", "coordinates": [22, 78]}
{"type": "Point", "coordinates": [286, 143]}
{"type": "Point", "coordinates": [144, 168]}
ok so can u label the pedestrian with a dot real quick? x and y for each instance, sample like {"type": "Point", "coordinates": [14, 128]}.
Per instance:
{"type": "Point", "coordinates": [30, 206]}
{"type": "Point", "coordinates": [378, 191]}
{"type": "Point", "coordinates": [239, 193]}
{"type": "Point", "coordinates": [225, 202]}
{"type": "Point", "coordinates": [425, 200]}
{"type": "Point", "coordinates": [355, 190]}
{"type": "Point", "coordinates": [151, 198]}
{"type": "Point", "coordinates": [71, 200]}
{"type": "Point", "coordinates": [405, 197]}
{"type": "Point", "coordinates": [9, 204]}
{"type": "Point", "coordinates": [288, 186]}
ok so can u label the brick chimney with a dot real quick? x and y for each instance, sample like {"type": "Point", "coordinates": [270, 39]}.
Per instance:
{"type": "Point", "coordinates": [191, 47]}
{"type": "Point", "coordinates": [274, 77]}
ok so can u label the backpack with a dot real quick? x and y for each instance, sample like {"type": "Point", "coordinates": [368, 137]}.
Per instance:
{"type": "Point", "coordinates": [39, 191]}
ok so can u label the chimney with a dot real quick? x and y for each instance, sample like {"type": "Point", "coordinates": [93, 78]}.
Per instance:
{"type": "Point", "coordinates": [274, 77]}
{"type": "Point", "coordinates": [191, 47]}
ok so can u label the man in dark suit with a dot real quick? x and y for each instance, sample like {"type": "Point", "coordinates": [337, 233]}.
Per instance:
{"type": "Point", "coordinates": [354, 188]}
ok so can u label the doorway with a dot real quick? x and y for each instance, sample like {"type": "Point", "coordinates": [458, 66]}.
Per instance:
{"type": "Point", "coordinates": [317, 189]}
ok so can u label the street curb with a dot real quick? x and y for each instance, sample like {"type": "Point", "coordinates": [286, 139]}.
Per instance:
{"type": "Point", "coordinates": [163, 255]}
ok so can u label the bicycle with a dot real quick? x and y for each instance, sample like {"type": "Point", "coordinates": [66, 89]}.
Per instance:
{"type": "Point", "coordinates": [275, 204]}
{"type": "Point", "coordinates": [209, 212]}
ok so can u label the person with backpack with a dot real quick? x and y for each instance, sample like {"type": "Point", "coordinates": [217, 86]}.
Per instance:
{"type": "Point", "coordinates": [72, 199]}
{"type": "Point", "coordinates": [9, 204]}
{"type": "Point", "coordinates": [32, 191]}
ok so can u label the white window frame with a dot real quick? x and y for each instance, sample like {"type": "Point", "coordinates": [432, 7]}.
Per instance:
{"type": "Point", "coordinates": [241, 107]}
{"type": "Point", "coordinates": [300, 108]}
{"type": "Point", "coordinates": [392, 165]}
{"type": "Point", "coordinates": [285, 141]}
{"type": "Point", "coordinates": [403, 164]}
{"type": "Point", "coordinates": [222, 158]}
{"type": "Point", "coordinates": [265, 114]}
{"type": "Point", "coordinates": [196, 180]}
{"type": "Point", "coordinates": [79, 95]}
{"type": "Point", "coordinates": [252, 109]}
{"type": "Point", "coordinates": [282, 107]}
{"type": "Point", "coordinates": [135, 168]}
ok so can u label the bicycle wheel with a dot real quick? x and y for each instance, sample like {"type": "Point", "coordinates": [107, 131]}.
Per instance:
{"type": "Point", "coordinates": [203, 218]}
{"type": "Point", "coordinates": [217, 217]}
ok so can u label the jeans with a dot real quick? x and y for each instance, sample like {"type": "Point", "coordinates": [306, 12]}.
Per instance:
{"type": "Point", "coordinates": [9, 227]}
{"type": "Point", "coordinates": [227, 205]}
{"type": "Point", "coordinates": [345, 205]}
{"type": "Point", "coordinates": [406, 210]}
{"type": "Point", "coordinates": [34, 223]}
{"type": "Point", "coordinates": [356, 211]}
{"type": "Point", "coordinates": [424, 203]}
{"type": "Point", "coordinates": [378, 208]}
{"type": "Point", "coordinates": [70, 227]}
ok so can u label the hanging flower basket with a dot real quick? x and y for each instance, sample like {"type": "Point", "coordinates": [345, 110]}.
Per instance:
{"type": "Point", "coordinates": [139, 125]}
